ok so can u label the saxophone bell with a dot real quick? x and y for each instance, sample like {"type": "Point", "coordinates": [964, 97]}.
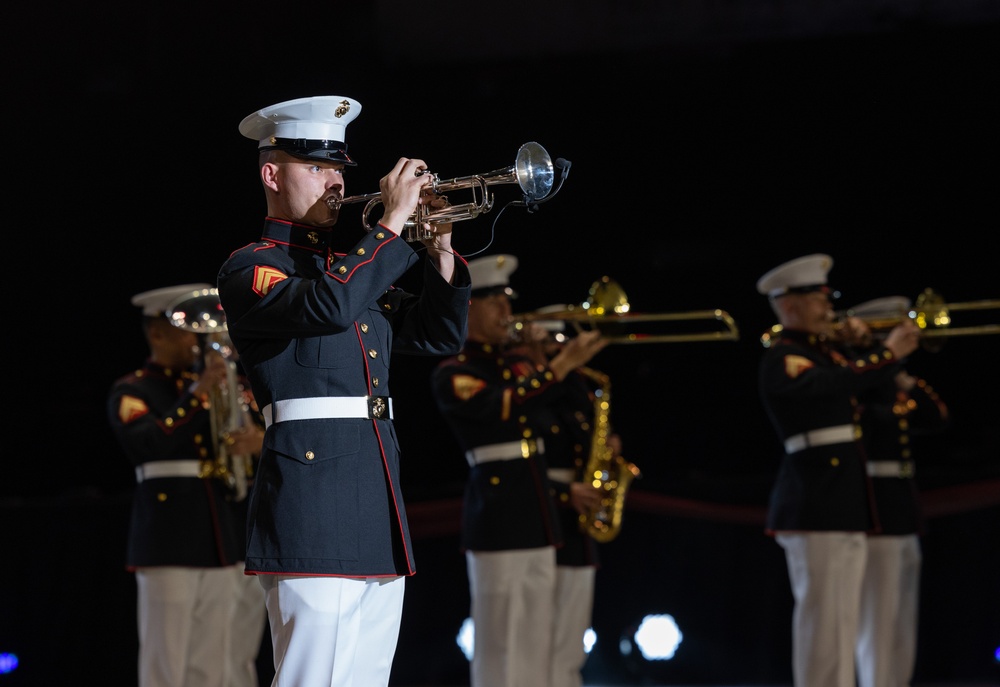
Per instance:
{"type": "Point", "coordinates": [606, 469]}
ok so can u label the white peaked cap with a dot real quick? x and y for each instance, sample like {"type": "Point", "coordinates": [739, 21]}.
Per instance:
{"type": "Point", "coordinates": [311, 128]}
{"type": "Point", "coordinates": [889, 305]}
{"type": "Point", "coordinates": [804, 274]}
{"type": "Point", "coordinates": [492, 272]}
{"type": "Point", "coordinates": [158, 301]}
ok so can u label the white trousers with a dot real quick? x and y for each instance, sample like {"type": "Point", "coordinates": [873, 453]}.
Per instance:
{"type": "Point", "coordinates": [574, 606]}
{"type": "Point", "coordinates": [333, 631]}
{"type": "Point", "coordinates": [890, 593]}
{"type": "Point", "coordinates": [249, 619]}
{"type": "Point", "coordinates": [184, 625]}
{"type": "Point", "coordinates": [512, 595]}
{"type": "Point", "coordinates": [825, 570]}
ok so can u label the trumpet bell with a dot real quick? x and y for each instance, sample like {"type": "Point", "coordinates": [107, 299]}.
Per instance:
{"type": "Point", "coordinates": [533, 171]}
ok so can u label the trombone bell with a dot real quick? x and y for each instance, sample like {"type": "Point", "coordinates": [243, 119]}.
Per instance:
{"type": "Point", "coordinates": [932, 315]}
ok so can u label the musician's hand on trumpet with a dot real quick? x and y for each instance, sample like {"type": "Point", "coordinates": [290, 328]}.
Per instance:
{"type": "Point", "coordinates": [401, 191]}
{"type": "Point", "coordinates": [439, 242]}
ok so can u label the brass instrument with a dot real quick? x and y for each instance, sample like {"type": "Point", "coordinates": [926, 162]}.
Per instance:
{"type": "Point", "coordinates": [930, 313]}
{"type": "Point", "coordinates": [532, 170]}
{"type": "Point", "coordinates": [607, 471]}
{"type": "Point", "coordinates": [608, 310]}
{"type": "Point", "coordinates": [201, 312]}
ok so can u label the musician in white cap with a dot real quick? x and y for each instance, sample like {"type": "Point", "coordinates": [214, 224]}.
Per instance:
{"type": "Point", "coordinates": [896, 417]}
{"type": "Point", "coordinates": [185, 537]}
{"type": "Point", "coordinates": [501, 397]}
{"type": "Point", "coordinates": [316, 319]}
{"type": "Point", "coordinates": [820, 508]}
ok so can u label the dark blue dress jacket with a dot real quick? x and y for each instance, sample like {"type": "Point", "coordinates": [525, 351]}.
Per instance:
{"type": "Point", "coordinates": [310, 322]}
{"type": "Point", "coordinates": [807, 385]}
{"type": "Point", "coordinates": [186, 521]}
{"type": "Point", "coordinates": [488, 397]}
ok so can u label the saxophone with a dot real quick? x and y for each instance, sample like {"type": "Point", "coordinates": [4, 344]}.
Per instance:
{"type": "Point", "coordinates": [611, 473]}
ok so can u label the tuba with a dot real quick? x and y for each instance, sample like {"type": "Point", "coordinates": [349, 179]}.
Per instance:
{"type": "Point", "coordinates": [201, 312]}
{"type": "Point", "coordinates": [613, 474]}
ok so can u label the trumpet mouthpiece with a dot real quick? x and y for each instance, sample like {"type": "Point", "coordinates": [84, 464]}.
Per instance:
{"type": "Point", "coordinates": [334, 202]}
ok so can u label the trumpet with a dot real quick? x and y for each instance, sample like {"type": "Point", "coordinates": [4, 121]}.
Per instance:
{"type": "Point", "coordinates": [930, 313]}
{"type": "Point", "coordinates": [533, 171]}
{"type": "Point", "coordinates": [608, 310]}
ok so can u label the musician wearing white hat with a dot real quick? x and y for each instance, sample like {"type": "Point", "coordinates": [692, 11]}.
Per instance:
{"type": "Point", "coordinates": [820, 510]}
{"type": "Point", "coordinates": [501, 403]}
{"type": "Point", "coordinates": [895, 417]}
{"type": "Point", "coordinates": [185, 536]}
{"type": "Point", "coordinates": [316, 318]}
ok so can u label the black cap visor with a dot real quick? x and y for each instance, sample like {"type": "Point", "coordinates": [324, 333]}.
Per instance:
{"type": "Point", "coordinates": [313, 149]}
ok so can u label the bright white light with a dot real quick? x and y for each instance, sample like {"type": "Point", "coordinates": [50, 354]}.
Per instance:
{"type": "Point", "coordinates": [658, 637]}
{"type": "Point", "coordinates": [466, 638]}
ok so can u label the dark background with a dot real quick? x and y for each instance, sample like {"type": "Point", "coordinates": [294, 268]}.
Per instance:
{"type": "Point", "coordinates": [709, 142]}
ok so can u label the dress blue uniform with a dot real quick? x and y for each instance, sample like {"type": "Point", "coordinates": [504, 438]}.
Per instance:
{"type": "Point", "coordinates": [490, 398]}
{"type": "Point", "coordinates": [820, 508]}
{"type": "Point", "coordinates": [177, 519]}
{"type": "Point", "coordinates": [568, 444]}
{"type": "Point", "coordinates": [315, 326]}
{"type": "Point", "coordinates": [185, 532]}
{"type": "Point", "coordinates": [499, 405]}
{"type": "Point", "coordinates": [809, 390]}
{"type": "Point", "coordinates": [894, 416]}
{"type": "Point", "coordinates": [310, 324]}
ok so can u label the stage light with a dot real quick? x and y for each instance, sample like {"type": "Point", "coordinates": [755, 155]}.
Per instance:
{"type": "Point", "coordinates": [8, 663]}
{"type": "Point", "coordinates": [466, 638]}
{"type": "Point", "coordinates": [656, 638]}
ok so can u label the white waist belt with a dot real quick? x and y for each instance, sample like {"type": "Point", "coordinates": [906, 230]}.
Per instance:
{"type": "Point", "coordinates": [890, 468]}
{"type": "Point", "coordinates": [510, 450]}
{"type": "Point", "coordinates": [364, 407]}
{"type": "Point", "coordinates": [566, 475]}
{"type": "Point", "coordinates": [841, 434]}
{"type": "Point", "coordinates": [168, 468]}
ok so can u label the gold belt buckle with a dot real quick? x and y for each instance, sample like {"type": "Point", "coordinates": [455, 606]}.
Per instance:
{"type": "Point", "coordinates": [378, 407]}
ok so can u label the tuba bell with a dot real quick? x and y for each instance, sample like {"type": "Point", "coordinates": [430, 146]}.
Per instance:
{"type": "Point", "coordinates": [200, 311]}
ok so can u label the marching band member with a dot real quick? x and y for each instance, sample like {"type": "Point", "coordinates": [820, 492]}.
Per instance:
{"type": "Point", "coordinates": [820, 509]}
{"type": "Point", "coordinates": [500, 404]}
{"type": "Point", "coordinates": [316, 319]}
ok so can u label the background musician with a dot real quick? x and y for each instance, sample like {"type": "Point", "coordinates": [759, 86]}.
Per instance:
{"type": "Point", "coordinates": [502, 403]}
{"type": "Point", "coordinates": [569, 443]}
{"type": "Point", "coordinates": [895, 417]}
{"type": "Point", "coordinates": [185, 538]}
{"type": "Point", "coordinates": [820, 509]}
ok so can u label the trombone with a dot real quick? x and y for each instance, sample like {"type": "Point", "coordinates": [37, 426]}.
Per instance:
{"type": "Point", "coordinates": [930, 313]}
{"type": "Point", "coordinates": [532, 170]}
{"type": "Point", "coordinates": [608, 310]}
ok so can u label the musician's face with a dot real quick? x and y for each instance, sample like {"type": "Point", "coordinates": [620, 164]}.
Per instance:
{"type": "Point", "coordinates": [490, 319]}
{"type": "Point", "coordinates": [810, 312]}
{"type": "Point", "coordinates": [301, 189]}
